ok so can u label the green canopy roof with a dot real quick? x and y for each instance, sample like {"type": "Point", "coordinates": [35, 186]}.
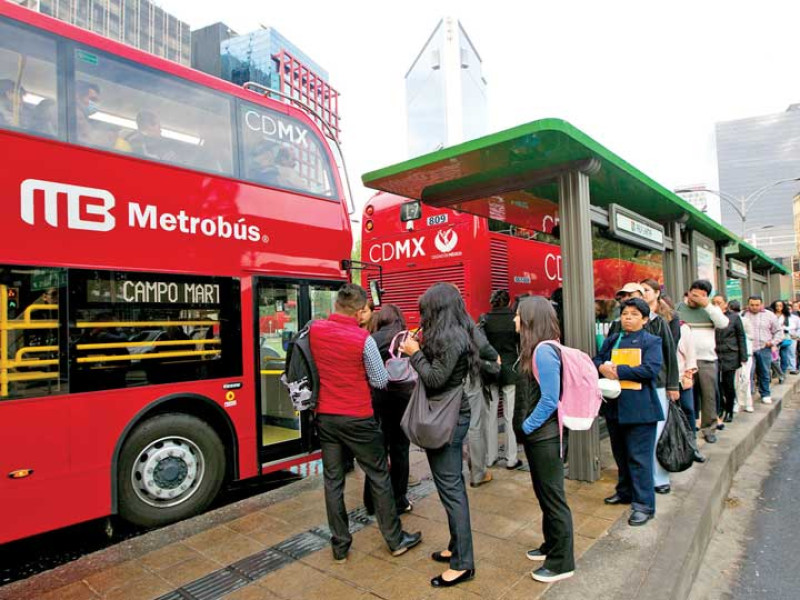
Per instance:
{"type": "Point", "coordinates": [475, 169]}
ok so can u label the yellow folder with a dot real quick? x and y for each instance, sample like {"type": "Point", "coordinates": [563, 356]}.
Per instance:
{"type": "Point", "coordinates": [631, 357]}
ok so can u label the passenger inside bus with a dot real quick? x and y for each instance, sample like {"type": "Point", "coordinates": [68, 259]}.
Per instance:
{"type": "Point", "coordinates": [264, 169]}
{"type": "Point", "coordinates": [44, 118]}
{"type": "Point", "coordinates": [147, 140]}
{"type": "Point", "coordinates": [87, 102]}
{"type": "Point", "coordinates": [10, 103]}
{"type": "Point", "coordinates": [288, 176]}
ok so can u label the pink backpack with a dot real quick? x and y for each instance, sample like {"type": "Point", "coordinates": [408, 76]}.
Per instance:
{"type": "Point", "coordinates": [580, 391]}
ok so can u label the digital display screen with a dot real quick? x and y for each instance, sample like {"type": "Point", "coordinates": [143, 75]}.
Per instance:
{"type": "Point", "coordinates": [410, 211]}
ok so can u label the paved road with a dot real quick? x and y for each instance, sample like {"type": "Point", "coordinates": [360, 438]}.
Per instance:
{"type": "Point", "coordinates": [770, 568]}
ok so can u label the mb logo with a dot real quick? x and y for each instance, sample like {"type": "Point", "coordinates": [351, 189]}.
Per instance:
{"type": "Point", "coordinates": [87, 208]}
{"type": "Point", "coordinates": [445, 240]}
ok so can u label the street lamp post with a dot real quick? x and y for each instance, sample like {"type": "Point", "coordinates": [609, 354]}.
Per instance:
{"type": "Point", "coordinates": [743, 204]}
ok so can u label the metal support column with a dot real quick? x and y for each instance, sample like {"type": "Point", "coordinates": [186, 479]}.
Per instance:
{"type": "Point", "coordinates": [578, 288]}
{"type": "Point", "coordinates": [675, 286]}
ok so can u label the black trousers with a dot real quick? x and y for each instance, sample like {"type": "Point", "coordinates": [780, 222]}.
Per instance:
{"type": "Point", "coordinates": [727, 390]}
{"type": "Point", "coordinates": [447, 474]}
{"type": "Point", "coordinates": [390, 412]}
{"type": "Point", "coordinates": [547, 475]}
{"type": "Point", "coordinates": [363, 438]}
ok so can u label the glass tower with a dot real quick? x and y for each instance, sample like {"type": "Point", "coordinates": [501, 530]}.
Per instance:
{"type": "Point", "coordinates": [446, 101]}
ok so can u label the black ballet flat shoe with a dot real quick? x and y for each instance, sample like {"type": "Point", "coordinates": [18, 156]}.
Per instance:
{"type": "Point", "coordinates": [438, 581]}
{"type": "Point", "coordinates": [437, 556]}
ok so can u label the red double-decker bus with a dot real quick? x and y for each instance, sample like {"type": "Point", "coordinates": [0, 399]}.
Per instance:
{"type": "Point", "coordinates": [447, 245]}
{"type": "Point", "coordinates": [164, 233]}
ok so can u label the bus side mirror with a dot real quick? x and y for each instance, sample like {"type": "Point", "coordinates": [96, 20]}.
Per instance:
{"type": "Point", "coordinates": [375, 293]}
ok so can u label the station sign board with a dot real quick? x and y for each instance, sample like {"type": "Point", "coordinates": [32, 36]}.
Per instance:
{"type": "Point", "coordinates": [633, 228]}
{"type": "Point", "coordinates": [737, 268]}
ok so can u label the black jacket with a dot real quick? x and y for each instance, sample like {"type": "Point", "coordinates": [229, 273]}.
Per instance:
{"type": "Point", "coordinates": [731, 343]}
{"type": "Point", "coordinates": [498, 326]}
{"type": "Point", "coordinates": [668, 377]}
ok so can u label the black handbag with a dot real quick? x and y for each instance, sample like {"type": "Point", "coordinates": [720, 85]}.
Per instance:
{"type": "Point", "coordinates": [430, 422]}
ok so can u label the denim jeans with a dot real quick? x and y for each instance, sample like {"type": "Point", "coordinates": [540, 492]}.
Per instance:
{"type": "Point", "coordinates": [660, 474]}
{"type": "Point", "coordinates": [763, 360]}
{"type": "Point", "coordinates": [445, 466]}
{"type": "Point", "coordinates": [786, 351]}
{"type": "Point", "coordinates": [687, 404]}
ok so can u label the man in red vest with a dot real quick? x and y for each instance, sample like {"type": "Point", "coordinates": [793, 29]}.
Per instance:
{"type": "Point", "coordinates": [349, 362]}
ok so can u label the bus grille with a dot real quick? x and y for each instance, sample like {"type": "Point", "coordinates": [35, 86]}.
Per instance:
{"type": "Point", "coordinates": [499, 263]}
{"type": "Point", "coordinates": [404, 288]}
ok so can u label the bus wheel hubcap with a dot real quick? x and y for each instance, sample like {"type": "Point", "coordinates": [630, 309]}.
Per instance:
{"type": "Point", "coordinates": [167, 472]}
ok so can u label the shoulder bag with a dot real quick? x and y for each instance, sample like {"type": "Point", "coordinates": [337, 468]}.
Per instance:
{"type": "Point", "coordinates": [430, 422]}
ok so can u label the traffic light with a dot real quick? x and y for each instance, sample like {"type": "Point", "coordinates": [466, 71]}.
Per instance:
{"type": "Point", "coordinates": [13, 298]}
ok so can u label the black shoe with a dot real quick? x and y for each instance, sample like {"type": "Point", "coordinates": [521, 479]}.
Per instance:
{"type": "Point", "coordinates": [548, 576]}
{"type": "Point", "coordinates": [437, 556]}
{"type": "Point", "coordinates": [536, 555]}
{"type": "Point", "coordinates": [438, 581]}
{"type": "Point", "coordinates": [616, 499]}
{"type": "Point", "coordinates": [516, 465]}
{"type": "Point", "coordinates": [638, 518]}
{"type": "Point", "coordinates": [711, 438]}
{"type": "Point", "coordinates": [781, 380]}
{"type": "Point", "coordinates": [699, 458]}
{"type": "Point", "coordinates": [663, 489]}
{"type": "Point", "coordinates": [728, 418]}
{"type": "Point", "coordinates": [720, 426]}
{"type": "Point", "coordinates": [409, 541]}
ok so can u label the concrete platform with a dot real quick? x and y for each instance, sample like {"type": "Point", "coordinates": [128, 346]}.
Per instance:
{"type": "Point", "coordinates": [274, 545]}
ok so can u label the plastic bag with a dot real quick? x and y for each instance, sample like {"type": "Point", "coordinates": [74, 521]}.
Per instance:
{"type": "Point", "coordinates": [676, 446]}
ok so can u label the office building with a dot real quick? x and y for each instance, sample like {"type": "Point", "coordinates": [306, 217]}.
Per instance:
{"type": "Point", "coordinates": [703, 200]}
{"type": "Point", "coordinates": [268, 58]}
{"type": "Point", "coordinates": [757, 152]}
{"type": "Point", "coordinates": [139, 23]}
{"type": "Point", "coordinates": [446, 101]}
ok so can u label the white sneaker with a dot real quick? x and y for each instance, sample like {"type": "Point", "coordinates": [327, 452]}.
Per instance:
{"type": "Point", "coordinates": [766, 400]}
{"type": "Point", "coordinates": [748, 409]}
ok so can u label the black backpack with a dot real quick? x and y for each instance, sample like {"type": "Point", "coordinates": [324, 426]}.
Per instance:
{"type": "Point", "coordinates": [300, 375]}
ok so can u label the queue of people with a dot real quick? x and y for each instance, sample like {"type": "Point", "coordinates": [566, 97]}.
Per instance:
{"type": "Point", "coordinates": [697, 354]}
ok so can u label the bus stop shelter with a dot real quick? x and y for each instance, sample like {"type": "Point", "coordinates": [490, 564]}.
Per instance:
{"type": "Point", "coordinates": [507, 176]}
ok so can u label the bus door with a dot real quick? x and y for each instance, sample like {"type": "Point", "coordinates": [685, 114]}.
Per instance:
{"type": "Point", "coordinates": [283, 307]}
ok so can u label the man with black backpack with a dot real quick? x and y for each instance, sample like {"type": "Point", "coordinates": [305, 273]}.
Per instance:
{"type": "Point", "coordinates": [348, 362]}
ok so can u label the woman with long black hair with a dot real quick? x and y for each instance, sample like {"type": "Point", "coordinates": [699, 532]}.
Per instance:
{"type": "Point", "coordinates": [536, 423]}
{"type": "Point", "coordinates": [389, 405]}
{"type": "Point", "coordinates": [446, 355]}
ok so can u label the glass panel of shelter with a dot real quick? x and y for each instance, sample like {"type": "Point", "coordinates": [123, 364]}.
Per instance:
{"type": "Point", "coordinates": [131, 109]}
{"type": "Point", "coordinates": [28, 81]}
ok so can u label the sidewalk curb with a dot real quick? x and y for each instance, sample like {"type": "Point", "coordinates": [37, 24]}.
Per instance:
{"type": "Point", "coordinates": [661, 561]}
{"type": "Point", "coordinates": [679, 557]}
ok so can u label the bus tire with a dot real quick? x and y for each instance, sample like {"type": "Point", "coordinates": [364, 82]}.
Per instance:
{"type": "Point", "coordinates": [171, 467]}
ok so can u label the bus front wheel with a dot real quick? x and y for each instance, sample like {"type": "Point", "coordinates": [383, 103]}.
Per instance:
{"type": "Point", "coordinates": [171, 467]}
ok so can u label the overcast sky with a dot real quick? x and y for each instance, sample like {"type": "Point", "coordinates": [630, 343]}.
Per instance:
{"type": "Point", "coordinates": [648, 80]}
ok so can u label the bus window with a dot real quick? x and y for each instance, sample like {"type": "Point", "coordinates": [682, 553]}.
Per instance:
{"type": "Point", "coordinates": [29, 332]}
{"type": "Point", "coordinates": [28, 90]}
{"type": "Point", "coordinates": [323, 300]}
{"type": "Point", "coordinates": [131, 109]}
{"type": "Point", "coordinates": [280, 151]}
{"type": "Point", "coordinates": [131, 329]}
